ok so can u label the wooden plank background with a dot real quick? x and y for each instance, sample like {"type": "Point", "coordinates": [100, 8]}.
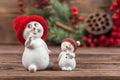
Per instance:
{"type": "Point", "coordinates": [9, 10]}
{"type": "Point", "coordinates": [92, 64]}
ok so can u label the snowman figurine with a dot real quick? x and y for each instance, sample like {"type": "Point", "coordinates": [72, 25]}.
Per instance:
{"type": "Point", "coordinates": [31, 31]}
{"type": "Point", "coordinates": [66, 58]}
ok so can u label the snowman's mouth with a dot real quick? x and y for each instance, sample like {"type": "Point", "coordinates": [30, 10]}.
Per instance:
{"type": "Point", "coordinates": [34, 33]}
{"type": "Point", "coordinates": [68, 47]}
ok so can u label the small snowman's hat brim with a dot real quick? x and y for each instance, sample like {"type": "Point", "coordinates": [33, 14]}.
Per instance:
{"type": "Point", "coordinates": [20, 23]}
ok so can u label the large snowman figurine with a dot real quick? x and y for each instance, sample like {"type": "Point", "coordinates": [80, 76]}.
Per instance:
{"type": "Point", "coordinates": [31, 31]}
{"type": "Point", "coordinates": [67, 56]}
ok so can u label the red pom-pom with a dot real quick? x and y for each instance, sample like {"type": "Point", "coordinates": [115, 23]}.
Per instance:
{"type": "Point", "coordinates": [74, 8]}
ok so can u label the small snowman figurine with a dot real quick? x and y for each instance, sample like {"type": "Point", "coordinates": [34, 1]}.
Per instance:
{"type": "Point", "coordinates": [66, 58]}
{"type": "Point", "coordinates": [31, 31]}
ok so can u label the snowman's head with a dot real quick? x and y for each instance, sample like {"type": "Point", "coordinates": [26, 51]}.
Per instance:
{"type": "Point", "coordinates": [35, 28]}
{"type": "Point", "coordinates": [67, 46]}
{"type": "Point", "coordinates": [24, 25]}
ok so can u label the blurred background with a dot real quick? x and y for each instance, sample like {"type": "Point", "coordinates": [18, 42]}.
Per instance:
{"type": "Point", "coordinates": [93, 22]}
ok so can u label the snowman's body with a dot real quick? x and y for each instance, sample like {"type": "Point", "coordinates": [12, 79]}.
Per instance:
{"type": "Point", "coordinates": [67, 63]}
{"type": "Point", "coordinates": [67, 57]}
{"type": "Point", "coordinates": [36, 54]}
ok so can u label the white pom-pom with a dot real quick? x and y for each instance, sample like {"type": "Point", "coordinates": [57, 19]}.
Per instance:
{"type": "Point", "coordinates": [78, 42]}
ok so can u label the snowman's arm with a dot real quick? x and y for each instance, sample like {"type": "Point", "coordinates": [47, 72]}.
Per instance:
{"type": "Point", "coordinates": [60, 55]}
{"type": "Point", "coordinates": [45, 45]}
{"type": "Point", "coordinates": [28, 42]}
{"type": "Point", "coordinates": [72, 54]}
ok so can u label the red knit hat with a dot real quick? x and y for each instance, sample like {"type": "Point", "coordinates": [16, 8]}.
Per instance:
{"type": "Point", "coordinates": [73, 42]}
{"type": "Point", "coordinates": [20, 23]}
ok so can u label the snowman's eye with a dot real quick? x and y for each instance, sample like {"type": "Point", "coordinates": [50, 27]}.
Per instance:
{"type": "Point", "coordinates": [39, 30]}
{"type": "Point", "coordinates": [36, 24]}
{"type": "Point", "coordinates": [29, 26]}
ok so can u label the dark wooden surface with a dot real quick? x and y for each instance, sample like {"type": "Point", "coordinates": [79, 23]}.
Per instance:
{"type": "Point", "coordinates": [92, 64]}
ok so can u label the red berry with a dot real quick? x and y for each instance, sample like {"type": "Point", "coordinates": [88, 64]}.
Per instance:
{"type": "Point", "coordinates": [20, 3]}
{"type": "Point", "coordinates": [111, 40]}
{"type": "Point", "coordinates": [102, 38]}
{"type": "Point", "coordinates": [113, 34]}
{"type": "Point", "coordinates": [114, 28]}
{"type": "Point", "coordinates": [118, 11]}
{"type": "Point", "coordinates": [118, 34]}
{"type": "Point", "coordinates": [115, 17]}
{"type": "Point", "coordinates": [22, 9]}
{"type": "Point", "coordinates": [37, 6]}
{"type": "Point", "coordinates": [90, 36]}
{"type": "Point", "coordinates": [84, 38]}
{"type": "Point", "coordinates": [117, 41]}
{"type": "Point", "coordinates": [89, 40]}
{"type": "Point", "coordinates": [117, 23]}
{"type": "Point", "coordinates": [92, 45]}
{"type": "Point", "coordinates": [118, 1]}
{"type": "Point", "coordinates": [77, 26]}
{"type": "Point", "coordinates": [72, 21]}
{"type": "Point", "coordinates": [81, 18]}
{"type": "Point", "coordinates": [115, 4]}
{"type": "Point", "coordinates": [95, 40]}
{"type": "Point", "coordinates": [84, 45]}
{"type": "Point", "coordinates": [74, 8]}
{"type": "Point", "coordinates": [111, 8]}
{"type": "Point", "coordinates": [75, 13]}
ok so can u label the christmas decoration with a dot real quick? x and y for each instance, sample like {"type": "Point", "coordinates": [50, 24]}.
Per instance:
{"type": "Point", "coordinates": [98, 23]}
{"type": "Point", "coordinates": [60, 26]}
{"type": "Point", "coordinates": [32, 31]}
{"type": "Point", "coordinates": [115, 33]}
{"type": "Point", "coordinates": [67, 56]}
{"type": "Point", "coordinates": [21, 5]}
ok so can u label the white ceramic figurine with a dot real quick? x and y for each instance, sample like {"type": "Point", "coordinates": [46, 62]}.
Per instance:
{"type": "Point", "coordinates": [67, 56]}
{"type": "Point", "coordinates": [32, 31]}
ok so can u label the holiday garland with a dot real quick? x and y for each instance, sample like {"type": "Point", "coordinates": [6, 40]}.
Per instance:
{"type": "Point", "coordinates": [63, 22]}
{"type": "Point", "coordinates": [112, 38]}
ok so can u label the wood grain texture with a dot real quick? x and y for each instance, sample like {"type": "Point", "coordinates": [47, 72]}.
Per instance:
{"type": "Point", "coordinates": [92, 63]}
